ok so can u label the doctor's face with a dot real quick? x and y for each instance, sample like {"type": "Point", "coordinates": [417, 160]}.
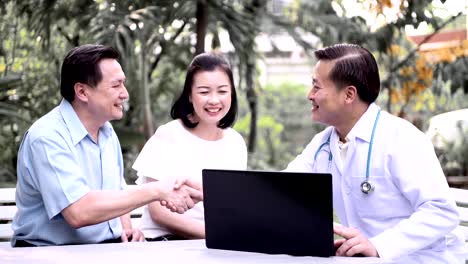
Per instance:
{"type": "Point", "coordinates": [327, 100]}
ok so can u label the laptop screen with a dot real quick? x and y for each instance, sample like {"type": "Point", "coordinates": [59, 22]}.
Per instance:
{"type": "Point", "coordinates": [269, 212]}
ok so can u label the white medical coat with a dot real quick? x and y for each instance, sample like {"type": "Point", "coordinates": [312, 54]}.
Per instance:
{"type": "Point", "coordinates": [410, 215]}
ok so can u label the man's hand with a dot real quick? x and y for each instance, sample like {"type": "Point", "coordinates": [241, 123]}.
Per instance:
{"type": "Point", "coordinates": [196, 196]}
{"type": "Point", "coordinates": [179, 199]}
{"type": "Point", "coordinates": [352, 243]}
{"type": "Point", "coordinates": [132, 235]}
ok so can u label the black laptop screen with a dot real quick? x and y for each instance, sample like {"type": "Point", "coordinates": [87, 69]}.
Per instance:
{"type": "Point", "coordinates": [269, 212]}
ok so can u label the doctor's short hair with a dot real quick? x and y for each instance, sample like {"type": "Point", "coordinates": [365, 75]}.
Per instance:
{"type": "Point", "coordinates": [81, 64]}
{"type": "Point", "coordinates": [183, 108]}
{"type": "Point", "coordinates": [354, 65]}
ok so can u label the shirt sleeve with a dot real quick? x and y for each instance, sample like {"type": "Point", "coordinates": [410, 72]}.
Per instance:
{"type": "Point", "coordinates": [120, 162]}
{"type": "Point", "coordinates": [241, 146]}
{"type": "Point", "coordinates": [155, 159]}
{"type": "Point", "coordinates": [244, 154]}
{"type": "Point", "coordinates": [416, 170]}
{"type": "Point", "coordinates": [59, 176]}
{"type": "Point", "coordinates": [304, 162]}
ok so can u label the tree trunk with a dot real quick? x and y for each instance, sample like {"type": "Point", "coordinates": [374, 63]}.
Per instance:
{"type": "Point", "coordinates": [252, 100]}
{"type": "Point", "coordinates": [256, 10]}
{"type": "Point", "coordinates": [145, 94]}
{"type": "Point", "coordinates": [389, 100]}
{"type": "Point", "coordinates": [202, 23]}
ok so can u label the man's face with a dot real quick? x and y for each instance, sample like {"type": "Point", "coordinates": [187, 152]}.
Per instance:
{"type": "Point", "coordinates": [327, 101]}
{"type": "Point", "coordinates": [106, 99]}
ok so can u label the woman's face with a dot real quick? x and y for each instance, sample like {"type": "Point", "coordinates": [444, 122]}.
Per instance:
{"type": "Point", "coordinates": [211, 96]}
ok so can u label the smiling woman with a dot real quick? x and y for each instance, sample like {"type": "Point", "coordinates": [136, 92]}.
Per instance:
{"type": "Point", "coordinates": [211, 100]}
{"type": "Point", "coordinates": [199, 137]}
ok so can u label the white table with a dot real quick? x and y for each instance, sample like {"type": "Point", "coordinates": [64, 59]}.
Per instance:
{"type": "Point", "coordinates": [183, 252]}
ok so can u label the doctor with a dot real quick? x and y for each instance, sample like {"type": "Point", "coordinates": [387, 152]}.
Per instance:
{"type": "Point", "coordinates": [389, 191]}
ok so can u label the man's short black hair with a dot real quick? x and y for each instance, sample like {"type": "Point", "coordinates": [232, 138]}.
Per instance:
{"type": "Point", "coordinates": [81, 65]}
{"type": "Point", "coordinates": [354, 65]}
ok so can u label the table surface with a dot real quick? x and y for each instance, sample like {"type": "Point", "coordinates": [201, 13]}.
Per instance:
{"type": "Point", "coordinates": [168, 252]}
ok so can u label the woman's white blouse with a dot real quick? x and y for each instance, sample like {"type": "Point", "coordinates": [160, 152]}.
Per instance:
{"type": "Point", "coordinates": [173, 152]}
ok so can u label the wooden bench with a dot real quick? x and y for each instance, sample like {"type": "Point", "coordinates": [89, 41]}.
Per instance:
{"type": "Point", "coordinates": [8, 210]}
{"type": "Point", "coordinates": [460, 182]}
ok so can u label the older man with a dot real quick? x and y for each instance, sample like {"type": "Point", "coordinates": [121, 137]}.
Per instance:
{"type": "Point", "coordinates": [70, 186]}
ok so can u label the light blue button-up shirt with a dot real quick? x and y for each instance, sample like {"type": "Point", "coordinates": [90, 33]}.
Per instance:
{"type": "Point", "coordinates": [58, 163]}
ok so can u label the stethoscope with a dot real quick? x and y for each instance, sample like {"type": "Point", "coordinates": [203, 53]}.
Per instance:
{"type": "Point", "coordinates": [366, 186]}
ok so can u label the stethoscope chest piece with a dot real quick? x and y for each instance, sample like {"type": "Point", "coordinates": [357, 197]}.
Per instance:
{"type": "Point", "coordinates": [367, 187]}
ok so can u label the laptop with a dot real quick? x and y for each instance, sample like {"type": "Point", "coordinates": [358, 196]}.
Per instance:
{"type": "Point", "coordinates": [269, 212]}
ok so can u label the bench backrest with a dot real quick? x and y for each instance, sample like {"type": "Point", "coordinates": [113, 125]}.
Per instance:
{"type": "Point", "coordinates": [8, 210]}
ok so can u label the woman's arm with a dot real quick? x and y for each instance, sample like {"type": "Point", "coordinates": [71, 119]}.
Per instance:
{"type": "Point", "coordinates": [178, 224]}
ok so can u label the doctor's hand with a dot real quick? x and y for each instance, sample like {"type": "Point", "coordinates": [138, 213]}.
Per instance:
{"type": "Point", "coordinates": [353, 242]}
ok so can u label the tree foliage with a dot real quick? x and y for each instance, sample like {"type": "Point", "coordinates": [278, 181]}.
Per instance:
{"type": "Point", "coordinates": [157, 40]}
{"type": "Point", "coordinates": [284, 125]}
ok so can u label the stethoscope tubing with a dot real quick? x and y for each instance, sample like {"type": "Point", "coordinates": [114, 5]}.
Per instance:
{"type": "Point", "coordinates": [366, 186]}
{"type": "Point", "coordinates": [371, 143]}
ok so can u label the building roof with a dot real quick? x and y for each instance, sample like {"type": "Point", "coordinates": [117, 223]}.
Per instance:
{"type": "Point", "coordinates": [440, 40]}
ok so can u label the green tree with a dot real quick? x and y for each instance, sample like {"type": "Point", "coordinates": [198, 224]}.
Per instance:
{"type": "Point", "coordinates": [27, 84]}
{"type": "Point", "coordinates": [284, 125]}
{"type": "Point", "coordinates": [157, 40]}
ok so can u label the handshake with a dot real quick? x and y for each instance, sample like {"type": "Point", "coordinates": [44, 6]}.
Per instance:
{"type": "Point", "coordinates": [181, 195]}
